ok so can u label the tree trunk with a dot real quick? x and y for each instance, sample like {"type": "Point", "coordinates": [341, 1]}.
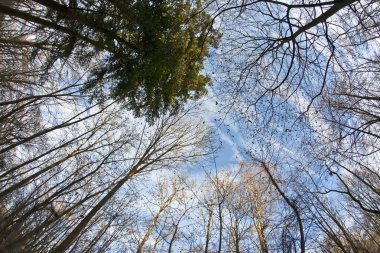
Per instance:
{"type": "Point", "coordinates": [292, 205]}
{"type": "Point", "coordinates": [220, 227]}
{"type": "Point", "coordinates": [209, 223]}
{"type": "Point", "coordinates": [65, 244]}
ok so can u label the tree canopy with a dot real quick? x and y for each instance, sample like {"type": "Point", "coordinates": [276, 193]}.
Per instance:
{"type": "Point", "coordinates": [148, 54]}
{"type": "Point", "coordinates": [296, 104]}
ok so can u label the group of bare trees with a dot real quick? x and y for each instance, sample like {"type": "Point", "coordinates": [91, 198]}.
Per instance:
{"type": "Point", "coordinates": [66, 167]}
{"type": "Point", "coordinates": [80, 173]}
{"type": "Point", "coordinates": [68, 164]}
{"type": "Point", "coordinates": [302, 78]}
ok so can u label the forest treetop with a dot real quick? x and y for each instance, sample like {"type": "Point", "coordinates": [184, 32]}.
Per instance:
{"type": "Point", "coordinates": [149, 54]}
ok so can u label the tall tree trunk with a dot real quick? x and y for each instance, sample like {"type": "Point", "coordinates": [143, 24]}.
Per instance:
{"type": "Point", "coordinates": [154, 222]}
{"type": "Point", "coordinates": [259, 226]}
{"type": "Point", "coordinates": [292, 205]}
{"type": "Point", "coordinates": [209, 223]}
{"type": "Point", "coordinates": [147, 234]}
{"type": "Point", "coordinates": [237, 240]}
{"type": "Point", "coordinates": [65, 244]}
{"type": "Point", "coordinates": [220, 226]}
